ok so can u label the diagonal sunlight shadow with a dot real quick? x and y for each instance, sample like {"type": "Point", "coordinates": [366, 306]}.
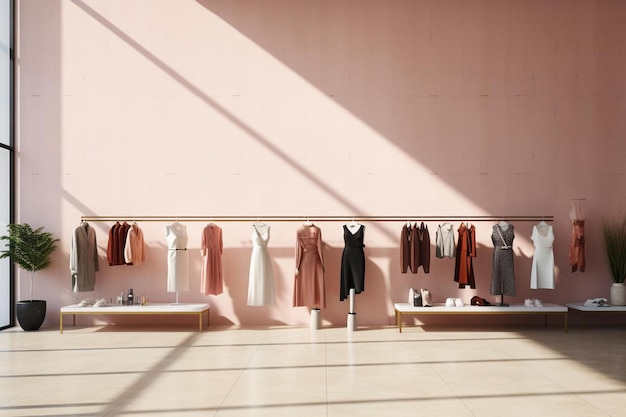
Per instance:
{"type": "Point", "coordinates": [159, 63]}
{"type": "Point", "coordinates": [117, 405]}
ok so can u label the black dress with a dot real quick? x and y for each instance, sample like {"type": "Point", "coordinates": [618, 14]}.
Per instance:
{"type": "Point", "coordinates": [352, 263]}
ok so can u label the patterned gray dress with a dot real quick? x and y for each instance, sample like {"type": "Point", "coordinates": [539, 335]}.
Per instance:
{"type": "Point", "coordinates": [502, 273]}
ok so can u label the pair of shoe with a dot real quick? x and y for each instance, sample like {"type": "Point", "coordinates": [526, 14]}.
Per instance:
{"type": "Point", "coordinates": [101, 302]}
{"type": "Point", "coordinates": [533, 302]}
{"type": "Point", "coordinates": [86, 302]}
{"type": "Point", "coordinates": [454, 302]}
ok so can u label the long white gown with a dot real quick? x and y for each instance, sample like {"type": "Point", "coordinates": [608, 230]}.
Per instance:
{"type": "Point", "coordinates": [177, 258]}
{"type": "Point", "coordinates": [261, 279]}
{"type": "Point", "coordinates": [542, 272]}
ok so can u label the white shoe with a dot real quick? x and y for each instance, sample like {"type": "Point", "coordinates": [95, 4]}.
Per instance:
{"type": "Point", "coordinates": [86, 302]}
{"type": "Point", "coordinates": [458, 302]}
{"type": "Point", "coordinates": [538, 302]}
{"type": "Point", "coordinates": [100, 303]}
{"type": "Point", "coordinates": [529, 302]}
{"type": "Point", "coordinates": [449, 302]}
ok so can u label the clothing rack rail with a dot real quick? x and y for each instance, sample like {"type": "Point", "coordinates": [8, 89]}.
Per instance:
{"type": "Point", "coordinates": [412, 218]}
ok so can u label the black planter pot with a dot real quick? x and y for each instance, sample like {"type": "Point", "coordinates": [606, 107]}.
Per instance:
{"type": "Point", "coordinates": [31, 313]}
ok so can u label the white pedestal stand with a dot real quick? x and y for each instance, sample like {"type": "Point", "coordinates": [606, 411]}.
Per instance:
{"type": "Point", "coordinates": [352, 313]}
{"type": "Point", "coordinates": [316, 319]}
{"type": "Point", "coordinates": [175, 303]}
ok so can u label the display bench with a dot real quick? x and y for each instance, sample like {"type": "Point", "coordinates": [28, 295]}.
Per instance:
{"type": "Point", "coordinates": [584, 310]}
{"type": "Point", "coordinates": [150, 309]}
{"type": "Point", "coordinates": [403, 309]}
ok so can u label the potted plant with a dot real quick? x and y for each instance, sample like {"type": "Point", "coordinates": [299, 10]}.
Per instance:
{"type": "Point", "coordinates": [30, 249]}
{"type": "Point", "coordinates": [614, 239]}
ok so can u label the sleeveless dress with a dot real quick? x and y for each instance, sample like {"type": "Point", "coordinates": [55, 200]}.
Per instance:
{"type": "Point", "coordinates": [502, 273]}
{"type": "Point", "coordinates": [309, 287]}
{"type": "Point", "coordinates": [261, 277]}
{"type": "Point", "coordinates": [352, 263]}
{"type": "Point", "coordinates": [177, 258]}
{"type": "Point", "coordinates": [211, 277]}
{"type": "Point", "coordinates": [542, 272]}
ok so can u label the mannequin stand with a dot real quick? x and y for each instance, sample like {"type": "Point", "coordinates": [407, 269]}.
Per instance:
{"type": "Point", "coordinates": [316, 319]}
{"type": "Point", "coordinates": [175, 303]}
{"type": "Point", "coordinates": [352, 314]}
{"type": "Point", "coordinates": [502, 303]}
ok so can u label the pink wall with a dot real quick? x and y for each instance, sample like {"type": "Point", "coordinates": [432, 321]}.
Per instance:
{"type": "Point", "coordinates": [346, 108]}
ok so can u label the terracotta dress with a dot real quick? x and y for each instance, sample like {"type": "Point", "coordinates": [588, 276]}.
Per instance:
{"type": "Point", "coordinates": [352, 263]}
{"type": "Point", "coordinates": [465, 252]}
{"type": "Point", "coordinates": [502, 272]}
{"type": "Point", "coordinates": [211, 249]}
{"type": "Point", "coordinates": [309, 285]}
{"type": "Point", "coordinates": [577, 246]}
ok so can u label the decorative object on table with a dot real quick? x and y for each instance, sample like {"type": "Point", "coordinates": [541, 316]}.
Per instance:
{"type": "Point", "coordinates": [426, 300]}
{"type": "Point", "coordinates": [417, 298]}
{"type": "Point", "coordinates": [614, 239]}
{"type": "Point", "coordinates": [479, 301]}
{"type": "Point", "coordinates": [30, 249]}
{"type": "Point", "coordinates": [596, 302]}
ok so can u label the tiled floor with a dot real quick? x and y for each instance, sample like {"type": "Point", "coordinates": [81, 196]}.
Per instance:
{"type": "Point", "coordinates": [298, 372]}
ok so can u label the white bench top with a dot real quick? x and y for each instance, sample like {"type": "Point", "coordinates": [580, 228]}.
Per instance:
{"type": "Point", "coordinates": [513, 308]}
{"type": "Point", "coordinates": [583, 307]}
{"type": "Point", "coordinates": [150, 308]}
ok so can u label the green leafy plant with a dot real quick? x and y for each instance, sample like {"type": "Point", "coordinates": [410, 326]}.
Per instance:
{"type": "Point", "coordinates": [614, 238]}
{"type": "Point", "coordinates": [29, 248]}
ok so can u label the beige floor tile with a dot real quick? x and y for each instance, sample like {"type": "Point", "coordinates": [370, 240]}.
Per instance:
{"type": "Point", "coordinates": [287, 371]}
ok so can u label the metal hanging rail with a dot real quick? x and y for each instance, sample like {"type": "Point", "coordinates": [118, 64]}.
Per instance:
{"type": "Point", "coordinates": [412, 218]}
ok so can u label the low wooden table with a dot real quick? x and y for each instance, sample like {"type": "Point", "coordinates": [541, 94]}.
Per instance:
{"type": "Point", "coordinates": [547, 309]}
{"type": "Point", "coordinates": [584, 310]}
{"type": "Point", "coordinates": [154, 309]}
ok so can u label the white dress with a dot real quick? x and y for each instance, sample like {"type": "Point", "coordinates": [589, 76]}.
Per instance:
{"type": "Point", "coordinates": [542, 272]}
{"type": "Point", "coordinates": [177, 258]}
{"type": "Point", "coordinates": [261, 279]}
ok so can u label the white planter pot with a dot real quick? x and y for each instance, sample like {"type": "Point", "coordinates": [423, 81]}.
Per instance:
{"type": "Point", "coordinates": [618, 294]}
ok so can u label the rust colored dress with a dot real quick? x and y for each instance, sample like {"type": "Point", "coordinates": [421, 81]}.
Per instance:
{"type": "Point", "coordinates": [577, 246]}
{"type": "Point", "coordinates": [309, 285]}
{"type": "Point", "coordinates": [465, 251]}
{"type": "Point", "coordinates": [212, 247]}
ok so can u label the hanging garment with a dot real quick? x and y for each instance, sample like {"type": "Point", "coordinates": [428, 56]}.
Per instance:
{"type": "Point", "coordinates": [422, 248]}
{"type": "Point", "coordinates": [576, 256]}
{"type": "Point", "coordinates": [211, 249]}
{"type": "Point", "coordinates": [444, 241]}
{"type": "Point", "coordinates": [84, 258]}
{"type": "Point", "coordinates": [352, 262]}
{"type": "Point", "coordinates": [542, 272]}
{"type": "Point", "coordinates": [261, 277]}
{"type": "Point", "coordinates": [177, 257]}
{"type": "Point", "coordinates": [121, 233]}
{"type": "Point", "coordinates": [112, 247]}
{"type": "Point", "coordinates": [465, 252]}
{"type": "Point", "coordinates": [117, 243]}
{"type": "Point", "coordinates": [502, 272]}
{"type": "Point", "coordinates": [309, 284]}
{"type": "Point", "coordinates": [406, 249]}
{"type": "Point", "coordinates": [134, 251]}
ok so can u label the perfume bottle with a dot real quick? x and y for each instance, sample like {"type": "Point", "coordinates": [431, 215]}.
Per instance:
{"type": "Point", "coordinates": [131, 297]}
